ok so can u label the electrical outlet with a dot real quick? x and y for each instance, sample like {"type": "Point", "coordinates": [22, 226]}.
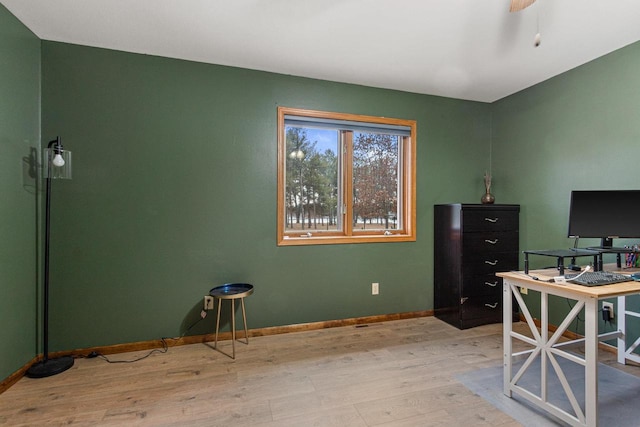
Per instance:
{"type": "Point", "coordinates": [375, 288]}
{"type": "Point", "coordinates": [208, 302]}
{"type": "Point", "coordinates": [608, 306]}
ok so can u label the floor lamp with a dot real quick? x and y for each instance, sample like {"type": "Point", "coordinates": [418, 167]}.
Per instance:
{"type": "Point", "coordinates": [57, 165]}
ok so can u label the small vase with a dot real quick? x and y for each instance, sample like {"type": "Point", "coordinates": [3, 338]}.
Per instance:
{"type": "Point", "coordinates": [487, 199]}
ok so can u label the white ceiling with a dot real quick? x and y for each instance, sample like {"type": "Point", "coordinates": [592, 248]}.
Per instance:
{"type": "Point", "coordinates": [467, 49]}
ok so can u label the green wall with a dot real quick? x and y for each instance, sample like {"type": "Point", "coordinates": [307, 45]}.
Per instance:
{"type": "Point", "coordinates": [174, 192]}
{"type": "Point", "coordinates": [577, 131]}
{"type": "Point", "coordinates": [19, 142]}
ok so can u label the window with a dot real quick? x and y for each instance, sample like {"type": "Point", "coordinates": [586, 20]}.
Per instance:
{"type": "Point", "coordinates": [345, 178]}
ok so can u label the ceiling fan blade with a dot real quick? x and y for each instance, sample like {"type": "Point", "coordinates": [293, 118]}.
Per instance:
{"type": "Point", "coordinates": [518, 5]}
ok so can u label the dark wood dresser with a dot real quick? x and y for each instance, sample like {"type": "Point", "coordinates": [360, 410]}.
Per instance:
{"type": "Point", "coordinates": [472, 243]}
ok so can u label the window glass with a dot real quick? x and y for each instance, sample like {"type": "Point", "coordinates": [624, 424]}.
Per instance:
{"type": "Point", "coordinates": [312, 180]}
{"type": "Point", "coordinates": [344, 178]}
{"type": "Point", "coordinates": [376, 181]}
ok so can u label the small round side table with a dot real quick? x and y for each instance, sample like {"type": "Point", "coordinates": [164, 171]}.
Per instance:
{"type": "Point", "coordinates": [232, 292]}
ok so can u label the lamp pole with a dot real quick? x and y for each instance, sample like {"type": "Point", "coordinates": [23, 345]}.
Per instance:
{"type": "Point", "coordinates": [55, 158]}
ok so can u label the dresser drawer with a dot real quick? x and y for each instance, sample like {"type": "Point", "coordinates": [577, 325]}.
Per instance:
{"type": "Point", "coordinates": [484, 242]}
{"type": "Point", "coordinates": [482, 307]}
{"type": "Point", "coordinates": [488, 284]}
{"type": "Point", "coordinates": [490, 220]}
{"type": "Point", "coordinates": [477, 264]}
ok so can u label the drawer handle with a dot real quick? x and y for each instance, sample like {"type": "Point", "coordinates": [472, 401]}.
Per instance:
{"type": "Point", "coordinates": [494, 220]}
{"type": "Point", "coordinates": [493, 242]}
{"type": "Point", "coordinates": [493, 285]}
{"type": "Point", "coordinates": [491, 262]}
{"type": "Point", "coordinates": [494, 305]}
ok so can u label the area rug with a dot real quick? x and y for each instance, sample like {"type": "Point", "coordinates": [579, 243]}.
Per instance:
{"type": "Point", "coordinates": [617, 394]}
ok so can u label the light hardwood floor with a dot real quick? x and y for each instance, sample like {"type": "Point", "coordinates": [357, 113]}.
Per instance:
{"type": "Point", "coordinates": [399, 373]}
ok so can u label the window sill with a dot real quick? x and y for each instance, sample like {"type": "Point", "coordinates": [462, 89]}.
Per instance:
{"type": "Point", "coordinates": [333, 240]}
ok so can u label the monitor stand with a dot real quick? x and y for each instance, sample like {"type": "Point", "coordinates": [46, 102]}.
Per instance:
{"type": "Point", "coordinates": [606, 246]}
{"type": "Point", "coordinates": [561, 254]}
{"type": "Point", "coordinates": [606, 242]}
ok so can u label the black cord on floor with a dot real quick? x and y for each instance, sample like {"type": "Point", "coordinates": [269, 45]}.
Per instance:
{"type": "Point", "coordinates": [164, 349]}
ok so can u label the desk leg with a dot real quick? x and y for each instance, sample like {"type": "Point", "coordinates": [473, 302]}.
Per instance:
{"type": "Point", "coordinates": [507, 322]}
{"type": "Point", "coordinates": [622, 327]}
{"type": "Point", "coordinates": [544, 333]}
{"type": "Point", "coordinates": [591, 361]}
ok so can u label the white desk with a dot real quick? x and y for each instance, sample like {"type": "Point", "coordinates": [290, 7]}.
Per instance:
{"type": "Point", "coordinates": [548, 347]}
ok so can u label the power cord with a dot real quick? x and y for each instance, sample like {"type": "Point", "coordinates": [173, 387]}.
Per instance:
{"type": "Point", "coordinates": [563, 279]}
{"type": "Point", "coordinates": [164, 349]}
{"type": "Point", "coordinates": [578, 319]}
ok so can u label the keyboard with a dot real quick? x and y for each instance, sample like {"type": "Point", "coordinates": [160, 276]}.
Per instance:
{"type": "Point", "coordinates": [596, 278]}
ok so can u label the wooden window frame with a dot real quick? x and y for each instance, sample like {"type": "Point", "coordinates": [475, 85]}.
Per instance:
{"type": "Point", "coordinates": [348, 235]}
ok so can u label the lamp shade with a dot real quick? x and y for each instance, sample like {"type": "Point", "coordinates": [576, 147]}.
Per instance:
{"type": "Point", "coordinates": [57, 162]}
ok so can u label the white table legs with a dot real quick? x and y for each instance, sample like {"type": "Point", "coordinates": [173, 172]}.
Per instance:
{"type": "Point", "coordinates": [549, 350]}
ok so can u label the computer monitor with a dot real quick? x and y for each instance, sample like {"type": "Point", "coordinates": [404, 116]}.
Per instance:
{"type": "Point", "coordinates": [605, 214]}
